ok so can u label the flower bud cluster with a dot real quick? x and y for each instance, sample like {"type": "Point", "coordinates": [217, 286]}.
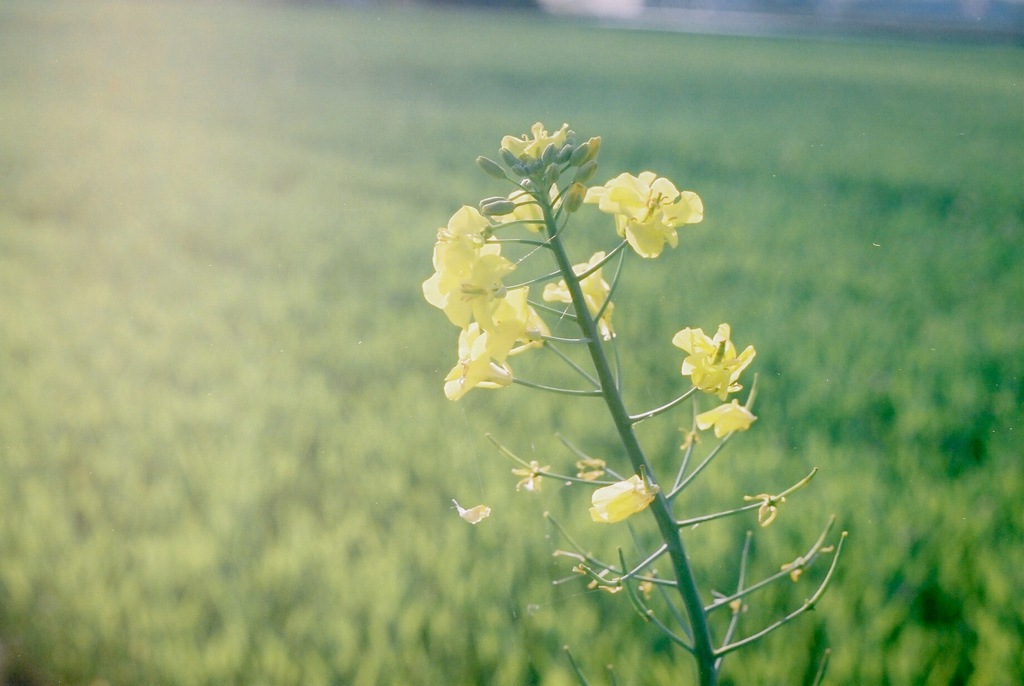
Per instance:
{"type": "Point", "coordinates": [541, 159]}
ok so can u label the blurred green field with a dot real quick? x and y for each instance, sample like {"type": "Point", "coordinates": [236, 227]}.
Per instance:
{"type": "Point", "coordinates": [225, 456]}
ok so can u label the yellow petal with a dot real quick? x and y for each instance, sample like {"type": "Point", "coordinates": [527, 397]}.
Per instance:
{"type": "Point", "coordinates": [474, 514]}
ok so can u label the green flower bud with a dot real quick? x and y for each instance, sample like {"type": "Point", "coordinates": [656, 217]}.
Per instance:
{"type": "Point", "coordinates": [491, 168]}
{"type": "Point", "coordinates": [497, 207]}
{"type": "Point", "coordinates": [564, 154]}
{"type": "Point", "coordinates": [574, 197]}
{"type": "Point", "coordinates": [586, 171]}
{"type": "Point", "coordinates": [548, 156]}
{"type": "Point", "coordinates": [594, 145]}
{"type": "Point", "coordinates": [509, 158]}
{"type": "Point", "coordinates": [551, 174]}
{"type": "Point", "coordinates": [579, 155]}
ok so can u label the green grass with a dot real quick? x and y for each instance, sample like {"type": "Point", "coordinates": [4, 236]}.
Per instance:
{"type": "Point", "coordinates": [224, 452]}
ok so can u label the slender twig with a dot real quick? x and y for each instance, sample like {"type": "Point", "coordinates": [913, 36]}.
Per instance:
{"type": "Point", "coordinates": [661, 585]}
{"type": "Point", "coordinates": [520, 241]}
{"type": "Point", "coordinates": [648, 614]}
{"type": "Point", "coordinates": [556, 389]}
{"type": "Point", "coordinates": [611, 289]}
{"type": "Point", "coordinates": [537, 279]}
{"type": "Point", "coordinates": [604, 260]}
{"type": "Point", "coordinates": [650, 558]}
{"type": "Point", "coordinates": [694, 521]}
{"type": "Point", "coordinates": [699, 468]}
{"type": "Point", "coordinates": [822, 667]}
{"type": "Point", "coordinates": [575, 667]}
{"type": "Point", "coordinates": [544, 473]}
{"type": "Point", "coordinates": [807, 605]}
{"type": "Point", "coordinates": [560, 339]}
{"type": "Point", "coordinates": [737, 609]}
{"type": "Point", "coordinates": [637, 418]}
{"type": "Point", "coordinates": [692, 438]}
{"type": "Point", "coordinates": [772, 499]}
{"type": "Point", "coordinates": [807, 559]}
{"type": "Point", "coordinates": [569, 361]}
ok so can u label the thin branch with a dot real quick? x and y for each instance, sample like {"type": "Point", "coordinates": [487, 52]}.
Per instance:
{"type": "Point", "coordinates": [580, 453]}
{"type": "Point", "coordinates": [555, 389]}
{"type": "Point", "coordinates": [808, 605]}
{"type": "Point", "coordinates": [614, 284]}
{"type": "Point", "coordinates": [544, 473]}
{"type": "Point", "coordinates": [605, 260]}
{"type": "Point", "coordinates": [761, 502]}
{"type": "Point", "coordinates": [537, 279]}
{"type": "Point", "coordinates": [737, 609]}
{"type": "Point", "coordinates": [694, 521]}
{"type": "Point", "coordinates": [637, 418]}
{"type": "Point", "coordinates": [699, 468]}
{"type": "Point", "coordinates": [648, 614]}
{"type": "Point", "coordinates": [650, 558]}
{"type": "Point", "coordinates": [520, 241]}
{"type": "Point", "coordinates": [822, 667]}
{"type": "Point", "coordinates": [808, 558]}
{"type": "Point", "coordinates": [560, 339]}
{"type": "Point", "coordinates": [580, 370]}
{"type": "Point", "coordinates": [562, 313]}
{"type": "Point", "coordinates": [575, 667]}
{"type": "Point", "coordinates": [692, 438]}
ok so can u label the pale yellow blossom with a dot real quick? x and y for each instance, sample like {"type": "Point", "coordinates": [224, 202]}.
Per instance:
{"type": "Point", "coordinates": [595, 293]}
{"type": "Point", "coordinates": [621, 500]}
{"type": "Point", "coordinates": [647, 210]}
{"type": "Point", "coordinates": [712, 364]}
{"type": "Point", "coordinates": [473, 515]}
{"type": "Point", "coordinates": [726, 418]}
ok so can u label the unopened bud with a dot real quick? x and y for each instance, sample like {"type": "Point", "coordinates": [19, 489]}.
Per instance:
{"type": "Point", "coordinates": [551, 174]}
{"type": "Point", "coordinates": [564, 154]}
{"type": "Point", "coordinates": [497, 207]}
{"type": "Point", "coordinates": [490, 167]}
{"type": "Point", "coordinates": [548, 156]}
{"type": "Point", "coordinates": [574, 197]}
{"type": "Point", "coordinates": [594, 146]}
{"type": "Point", "coordinates": [586, 171]}
{"type": "Point", "coordinates": [507, 156]}
{"type": "Point", "coordinates": [579, 155]}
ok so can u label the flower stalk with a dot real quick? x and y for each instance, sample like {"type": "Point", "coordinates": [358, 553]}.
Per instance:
{"type": "Point", "coordinates": [703, 647]}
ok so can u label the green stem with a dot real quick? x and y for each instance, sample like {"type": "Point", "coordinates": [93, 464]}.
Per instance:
{"type": "Point", "coordinates": [703, 646]}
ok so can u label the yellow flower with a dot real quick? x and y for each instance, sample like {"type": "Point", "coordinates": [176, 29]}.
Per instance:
{"type": "Point", "coordinates": [514, 321]}
{"type": "Point", "coordinates": [468, 271]}
{"type": "Point", "coordinates": [467, 287]}
{"type": "Point", "coordinates": [621, 500]}
{"type": "Point", "coordinates": [532, 148]}
{"type": "Point", "coordinates": [712, 363]}
{"type": "Point", "coordinates": [531, 476]}
{"type": "Point", "coordinates": [647, 210]}
{"type": "Point", "coordinates": [726, 418]}
{"type": "Point", "coordinates": [476, 367]}
{"type": "Point", "coordinates": [473, 515]}
{"type": "Point", "coordinates": [595, 292]}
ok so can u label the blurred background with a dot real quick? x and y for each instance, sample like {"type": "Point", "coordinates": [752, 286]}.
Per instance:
{"type": "Point", "coordinates": [225, 454]}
